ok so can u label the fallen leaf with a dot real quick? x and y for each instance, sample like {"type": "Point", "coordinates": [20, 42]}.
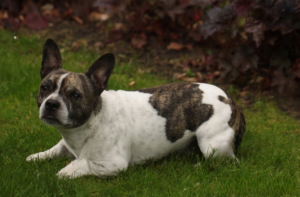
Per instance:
{"type": "Point", "coordinates": [199, 76]}
{"type": "Point", "coordinates": [179, 75]}
{"type": "Point", "coordinates": [35, 21]}
{"type": "Point", "coordinates": [139, 40]}
{"type": "Point", "coordinates": [98, 45]}
{"type": "Point", "coordinates": [96, 16]}
{"type": "Point", "coordinates": [47, 9]}
{"type": "Point", "coordinates": [77, 19]}
{"type": "Point", "coordinates": [217, 73]}
{"type": "Point", "coordinates": [120, 26]}
{"type": "Point", "coordinates": [131, 83]}
{"type": "Point", "coordinates": [175, 46]}
{"type": "Point", "coordinates": [190, 79]}
{"type": "Point", "coordinates": [189, 47]}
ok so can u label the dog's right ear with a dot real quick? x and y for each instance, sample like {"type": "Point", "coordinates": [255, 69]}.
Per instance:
{"type": "Point", "coordinates": [51, 58]}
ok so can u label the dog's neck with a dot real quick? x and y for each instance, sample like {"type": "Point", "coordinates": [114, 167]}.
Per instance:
{"type": "Point", "coordinates": [76, 138]}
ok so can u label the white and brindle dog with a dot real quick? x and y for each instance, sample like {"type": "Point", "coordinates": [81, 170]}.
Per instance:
{"type": "Point", "coordinates": [106, 131]}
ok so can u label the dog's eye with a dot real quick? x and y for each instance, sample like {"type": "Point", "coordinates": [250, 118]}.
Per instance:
{"type": "Point", "coordinates": [44, 88]}
{"type": "Point", "coordinates": [75, 96]}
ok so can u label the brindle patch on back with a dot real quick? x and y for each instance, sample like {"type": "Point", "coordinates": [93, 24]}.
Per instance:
{"type": "Point", "coordinates": [181, 104]}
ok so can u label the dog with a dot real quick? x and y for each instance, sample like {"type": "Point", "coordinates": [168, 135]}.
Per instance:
{"type": "Point", "coordinates": [105, 131]}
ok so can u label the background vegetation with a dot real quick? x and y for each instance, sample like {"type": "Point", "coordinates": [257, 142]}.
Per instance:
{"type": "Point", "coordinates": [252, 43]}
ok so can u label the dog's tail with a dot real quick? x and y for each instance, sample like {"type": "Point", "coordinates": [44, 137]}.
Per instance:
{"type": "Point", "coordinates": [237, 123]}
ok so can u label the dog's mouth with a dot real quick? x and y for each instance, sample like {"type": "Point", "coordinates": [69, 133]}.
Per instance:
{"type": "Point", "coordinates": [49, 117]}
{"type": "Point", "coordinates": [51, 120]}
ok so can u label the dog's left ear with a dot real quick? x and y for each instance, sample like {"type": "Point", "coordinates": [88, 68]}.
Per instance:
{"type": "Point", "coordinates": [51, 58]}
{"type": "Point", "coordinates": [100, 71]}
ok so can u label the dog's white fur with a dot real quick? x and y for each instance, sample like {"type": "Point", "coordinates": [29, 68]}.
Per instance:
{"type": "Point", "coordinates": [128, 130]}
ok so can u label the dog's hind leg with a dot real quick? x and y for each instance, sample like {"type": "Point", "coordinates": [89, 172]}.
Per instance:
{"type": "Point", "coordinates": [218, 144]}
{"type": "Point", "coordinates": [215, 137]}
{"type": "Point", "coordinates": [59, 150]}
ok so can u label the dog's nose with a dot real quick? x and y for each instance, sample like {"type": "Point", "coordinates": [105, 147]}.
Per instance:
{"type": "Point", "coordinates": [52, 104]}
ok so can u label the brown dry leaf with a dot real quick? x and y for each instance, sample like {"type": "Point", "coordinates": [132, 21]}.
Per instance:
{"type": "Point", "coordinates": [67, 13]}
{"type": "Point", "coordinates": [139, 40]}
{"type": "Point", "coordinates": [120, 26]}
{"type": "Point", "coordinates": [98, 44]}
{"type": "Point", "coordinates": [179, 75]}
{"type": "Point", "coordinates": [244, 93]}
{"type": "Point", "coordinates": [77, 19]}
{"type": "Point", "coordinates": [257, 79]}
{"type": "Point", "coordinates": [217, 73]}
{"type": "Point", "coordinates": [96, 16]}
{"type": "Point", "coordinates": [131, 83]}
{"type": "Point", "coordinates": [190, 79]}
{"type": "Point", "coordinates": [189, 47]}
{"type": "Point", "coordinates": [199, 76]}
{"type": "Point", "coordinates": [3, 14]}
{"type": "Point", "coordinates": [75, 45]}
{"type": "Point", "coordinates": [47, 9]}
{"type": "Point", "coordinates": [175, 46]}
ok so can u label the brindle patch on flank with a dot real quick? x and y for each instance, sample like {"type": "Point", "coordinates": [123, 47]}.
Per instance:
{"type": "Point", "coordinates": [80, 109]}
{"type": "Point", "coordinates": [223, 99]}
{"type": "Point", "coordinates": [181, 104]}
{"type": "Point", "coordinates": [237, 123]}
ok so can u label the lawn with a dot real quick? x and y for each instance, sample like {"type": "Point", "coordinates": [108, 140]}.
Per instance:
{"type": "Point", "coordinates": [269, 154]}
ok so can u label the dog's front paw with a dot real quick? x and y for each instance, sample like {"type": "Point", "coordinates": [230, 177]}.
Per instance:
{"type": "Point", "coordinates": [36, 156]}
{"type": "Point", "coordinates": [62, 174]}
{"type": "Point", "coordinates": [75, 169]}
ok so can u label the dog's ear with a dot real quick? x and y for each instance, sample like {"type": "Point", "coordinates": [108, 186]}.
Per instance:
{"type": "Point", "coordinates": [51, 58]}
{"type": "Point", "coordinates": [100, 71]}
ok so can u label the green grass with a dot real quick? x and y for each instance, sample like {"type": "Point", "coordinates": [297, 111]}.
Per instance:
{"type": "Point", "coordinates": [269, 154]}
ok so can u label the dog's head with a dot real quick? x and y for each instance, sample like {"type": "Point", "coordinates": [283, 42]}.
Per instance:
{"type": "Point", "coordinates": [67, 99]}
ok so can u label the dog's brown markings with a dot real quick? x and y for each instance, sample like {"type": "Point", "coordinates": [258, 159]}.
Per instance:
{"type": "Point", "coordinates": [237, 123]}
{"type": "Point", "coordinates": [181, 104]}
{"type": "Point", "coordinates": [80, 108]}
{"type": "Point", "coordinates": [51, 82]}
{"type": "Point", "coordinates": [223, 99]}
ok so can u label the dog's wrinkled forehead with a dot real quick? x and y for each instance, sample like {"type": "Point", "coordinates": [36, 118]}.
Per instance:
{"type": "Point", "coordinates": [55, 76]}
{"type": "Point", "coordinates": [76, 82]}
{"type": "Point", "coordinates": [64, 81]}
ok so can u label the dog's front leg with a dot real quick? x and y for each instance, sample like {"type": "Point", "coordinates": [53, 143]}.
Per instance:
{"type": "Point", "coordinates": [83, 167]}
{"type": "Point", "coordinates": [75, 169]}
{"type": "Point", "coordinates": [59, 150]}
